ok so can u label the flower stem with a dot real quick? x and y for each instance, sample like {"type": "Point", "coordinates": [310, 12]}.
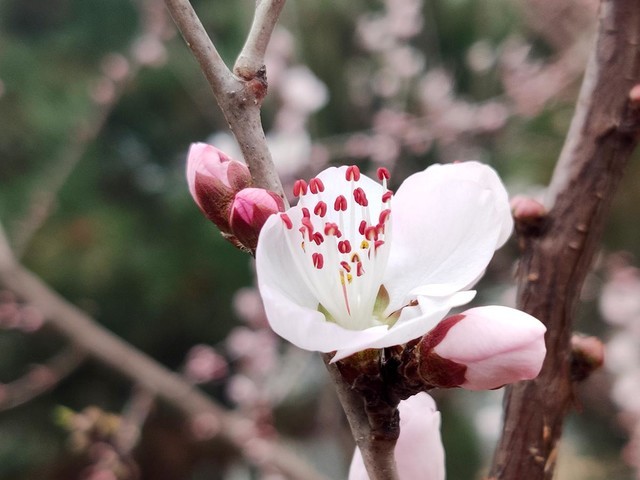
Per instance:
{"type": "Point", "coordinates": [373, 421]}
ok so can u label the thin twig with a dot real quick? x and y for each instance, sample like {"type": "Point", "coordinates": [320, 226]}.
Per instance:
{"type": "Point", "coordinates": [239, 98]}
{"type": "Point", "coordinates": [43, 200]}
{"type": "Point", "coordinates": [556, 258]}
{"type": "Point", "coordinates": [251, 58]}
{"type": "Point", "coordinates": [40, 379]}
{"type": "Point", "coordinates": [376, 446]}
{"type": "Point", "coordinates": [171, 388]}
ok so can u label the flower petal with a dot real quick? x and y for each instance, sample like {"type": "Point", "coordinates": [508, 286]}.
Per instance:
{"type": "Point", "coordinates": [447, 222]}
{"type": "Point", "coordinates": [499, 345]}
{"type": "Point", "coordinates": [291, 305]}
{"type": "Point", "coordinates": [413, 323]}
{"type": "Point", "coordinates": [419, 452]}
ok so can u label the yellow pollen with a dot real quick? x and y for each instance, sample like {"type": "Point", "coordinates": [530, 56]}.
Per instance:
{"type": "Point", "coordinates": [349, 277]}
{"type": "Point", "coordinates": [364, 245]}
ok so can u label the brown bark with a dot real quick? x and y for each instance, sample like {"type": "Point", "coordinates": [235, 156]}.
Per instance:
{"type": "Point", "coordinates": [556, 257]}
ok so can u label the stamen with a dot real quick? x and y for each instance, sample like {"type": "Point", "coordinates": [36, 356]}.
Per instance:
{"type": "Point", "coordinates": [316, 185]}
{"type": "Point", "coordinates": [362, 227]}
{"type": "Point", "coordinates": [340, 204]}
{"type": "Point", "coordinates": [383, 174]}
{"type": "Point", "coordinates": [332, 229]}
{"type": "Point", "coordinates": [353, 173]}
{"type": "Point", "coordinates": [344, 290]}
{"type": "Point", "coordinates": [346, 266]}
{"type": "Point", "coordinates": [318, 260]}
{"type": "Point", "coordinates": [384, 216]}
{"type": "Point", "coordinates": [344, 246]}
{"type": "Point", "coordinates": [305, 212]}
{"type": "Point", "coordinates": [355, 258]}
{"type": "Point", "coordinates": [377, 244]}
{"type": "Point", "coordinates": [364, 245]}
{"type": "Point", "coordinates": [359, 269]}
{"type": "Point", "coordinates": [360, 197]}
{"type": "Point", "coordinates": [371, 233]}
{"type": "Point", "coordinates": [299, 188]}
{"type": "Point", "coordinates": [306, 223]}
{"type": "Point", "coordinates": [320, 209]}
{"type": "Point", "coordinates": [286, 220]}
{"type": "Point", "coordinates": [387, 196]}
{"type": "Point", "coordinates": [318, 238]}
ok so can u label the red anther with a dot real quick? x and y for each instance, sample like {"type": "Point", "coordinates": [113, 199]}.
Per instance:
{"type": "Point", "coordinates": [362, 227]}
{"type": "Point", "coordinates": [299, 188]}
{"type": "Point", "coordinates": [359, 269]}
{"type": "Point", "coordinates": [355, 258]}
{"type": "Point", "coordinates": [353, 173]}
{"type": "Point", "coordinates": [384, 215]}
{"type": "Point", "coordinates": [383, 173]}
{"type": "Point", "coordinates": [320, 209]}
{"type": "Point", "coordinates": [305, 212]}
{"type": "Point", "coordinates": [309, 226]}
{"type": "Point", "coordinates": [380, 228]}
{"type": "Point", "coordinates": [344, 246]}
{"type": "Point", "coordinates": [360, 197]}
{"type": "Point", "coordinates": [387, 196]}
{"type": "Point", "coordinates": [318, 238]}
{"type": "Point", "coordinates": [318, 260]}
{"type": "Point", "coordinates": [316, 185]}
{"type": "Point", "coordinates": [378, 243]}
{"type": "Point", "coordinates": [346, 266]}
{"type": "Point", "coordinates": [286, 220]}
{"type": "Point", "coordinates": [340, 203]}
{"type": "Point", "coordinates": [371, 233]}
{"type": "Point", "coordinates": [332, 229]}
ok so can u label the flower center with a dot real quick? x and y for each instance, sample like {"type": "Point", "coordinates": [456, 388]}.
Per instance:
{"type": "Point", "coordinates": [340, 244]}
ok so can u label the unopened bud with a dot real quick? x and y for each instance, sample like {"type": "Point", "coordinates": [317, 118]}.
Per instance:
{"type": "Point", "coordinates": [214, 179]}
{"type": "Point", "coordinates": [249, 211]}
{"type": "Point", "coordinates": [587, 355]}
{"type": "Point", "coordinates": [482, 348]}
{"type": "Point", "coordinates": [529, 214]}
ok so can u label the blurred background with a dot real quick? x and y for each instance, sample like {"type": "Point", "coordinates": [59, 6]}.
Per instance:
{"type": "Point", "coordinates": [99, 102]}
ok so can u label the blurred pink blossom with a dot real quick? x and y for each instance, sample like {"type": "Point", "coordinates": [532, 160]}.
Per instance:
{"type": "Point", "coordinates": [204, 364]}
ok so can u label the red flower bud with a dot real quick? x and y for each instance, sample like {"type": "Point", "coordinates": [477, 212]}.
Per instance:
{"type": "Point", "coordinates": [214, 179]}
{"type": "Point", "coordinates": [250, 210]}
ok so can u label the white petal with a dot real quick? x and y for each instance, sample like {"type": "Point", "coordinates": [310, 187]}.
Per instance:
{"type": "Point", "coordinates": [413, 323]}
{"type": "Point", "coordinates": [487, 176]}
{"type": "Point", "coordinates": [419, 452]}
{"type": "Point", "coordinates": [446, 226]}
{"type": "Point", "coordinates": [290, 305]}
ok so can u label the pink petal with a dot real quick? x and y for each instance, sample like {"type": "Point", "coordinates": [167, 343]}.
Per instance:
{"type": "Point", "coordinates": [499, 345]}
{"type": "Point", "coordinates": [447, 221]}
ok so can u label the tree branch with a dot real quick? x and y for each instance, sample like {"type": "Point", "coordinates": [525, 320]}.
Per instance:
{"type": "Point", "coordinates": [239, 98]}
{"type": "Point", "coordinates": [251, 58]}
{"type": "Point", "coordinates": [557, 257]}
{"type": "Point", "coordinates": [40, 379]}
{"type": "Point", "coordinates": [374, 425]}
{"type": "Point", "coordinates": [107, 348]}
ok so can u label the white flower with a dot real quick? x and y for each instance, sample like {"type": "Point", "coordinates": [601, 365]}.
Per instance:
{"type": "Point", "coordinates": [353, 267]}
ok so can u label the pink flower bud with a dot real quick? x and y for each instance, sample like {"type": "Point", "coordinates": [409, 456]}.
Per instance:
{"type": "Point", "coordinates": [249, 211]}
{"type": "Point", "coordinates": [213, 180]}
{"type": "Point", "coordinates": [484, 348]}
